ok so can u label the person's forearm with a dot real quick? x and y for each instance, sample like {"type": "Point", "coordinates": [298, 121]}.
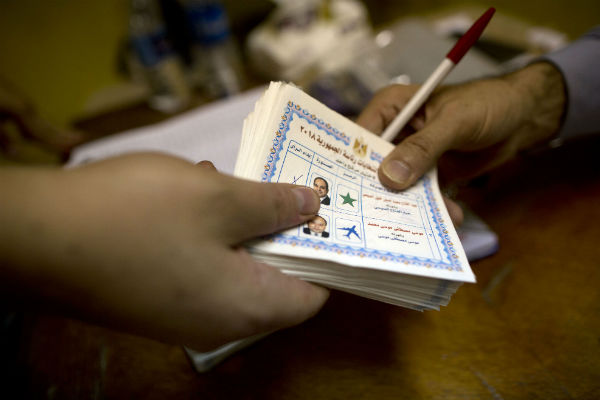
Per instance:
{"type": "Point", "coordinates": [541, 91]}
{"type": "Point", "coordinates": [24, 229]}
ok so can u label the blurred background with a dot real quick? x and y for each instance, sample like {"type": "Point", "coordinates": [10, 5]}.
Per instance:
{"type": "Point", "coordinates": [67, 66]}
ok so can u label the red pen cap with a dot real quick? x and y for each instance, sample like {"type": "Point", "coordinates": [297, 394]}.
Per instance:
{"type": "Point", "coordinates": [470, 37]}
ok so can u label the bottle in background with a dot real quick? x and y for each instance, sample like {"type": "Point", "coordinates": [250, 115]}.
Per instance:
{"type": "Point", "coordinates": [161, 67]}
{"type": "Point", "coordinates": [216, 62]}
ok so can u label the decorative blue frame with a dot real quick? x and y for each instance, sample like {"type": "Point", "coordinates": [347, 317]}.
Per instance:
{"type": "Point", "coordinates": [292, 109]}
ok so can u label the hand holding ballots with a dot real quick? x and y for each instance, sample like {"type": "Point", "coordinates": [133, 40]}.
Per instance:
{"type": "Point", "coordinates": [396, 247]}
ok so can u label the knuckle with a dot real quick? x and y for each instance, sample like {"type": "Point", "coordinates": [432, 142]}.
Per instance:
{"type": "Point", "coordinates": [261, 205]}
{"type": "Point", "coordinates": [399, 90]}
{"type": "Point", "coordinates": [280, 201]}
{"type": "Point", "coordinates": [226, 197]}
{"type": "Point", "coordinates": [422, 145]}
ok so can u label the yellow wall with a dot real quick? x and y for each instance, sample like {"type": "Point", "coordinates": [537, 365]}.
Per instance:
{"type": "Point", "coordinates": [61, 52]}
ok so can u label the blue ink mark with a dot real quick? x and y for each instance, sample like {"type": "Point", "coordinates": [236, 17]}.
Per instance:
{"type": "Point", "coordinates": [296, 179]}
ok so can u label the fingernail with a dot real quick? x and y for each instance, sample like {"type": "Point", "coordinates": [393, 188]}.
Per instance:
{"type": "Point", "coordinates": [398, 171]}
{"type": "Point", "coordinates": [308, 202]}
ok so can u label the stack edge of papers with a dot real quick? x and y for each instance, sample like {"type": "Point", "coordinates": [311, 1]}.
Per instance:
{"type": "Point", "coordinates": [396, 247]}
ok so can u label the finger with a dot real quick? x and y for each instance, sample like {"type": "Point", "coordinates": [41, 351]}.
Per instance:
{"type": "Point", "coordinates": [418, 121]}
{"type": "Point", "coordinates": [207, 165]}
{"type": "Point", "coordinates": [252, 209]}
{"type": "Point", "coordinates": [455, 211]}
{"type": "Point", "coordinates": [415, 155]}
{"type": "Point", "coordinates": [271, 299]}
{"type": "Point", "coordinates": [415, 124]}
{"type": "Point", "coordinates": [384, 107]}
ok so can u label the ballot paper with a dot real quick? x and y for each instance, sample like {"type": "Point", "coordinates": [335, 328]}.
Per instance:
{"type": "Point", "coordinates": [398, 247]}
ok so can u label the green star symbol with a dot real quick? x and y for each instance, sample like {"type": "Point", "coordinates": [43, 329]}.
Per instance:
{"type": "Point", "coordinates": [348, 199]}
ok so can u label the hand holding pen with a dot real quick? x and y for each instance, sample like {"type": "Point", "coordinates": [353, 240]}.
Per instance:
{"type": "Point", "coordinates": [465, 129]}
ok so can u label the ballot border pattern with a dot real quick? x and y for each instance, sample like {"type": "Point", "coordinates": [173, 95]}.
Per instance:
{"type": "Point", "coordinates": [273, 157]}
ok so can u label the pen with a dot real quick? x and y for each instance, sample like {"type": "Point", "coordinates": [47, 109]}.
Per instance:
{"type": "Point", "coordinates": [452, 58]}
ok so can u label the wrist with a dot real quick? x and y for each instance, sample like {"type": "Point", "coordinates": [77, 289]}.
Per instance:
{"type": "Point", "coordinates": [540, 100]}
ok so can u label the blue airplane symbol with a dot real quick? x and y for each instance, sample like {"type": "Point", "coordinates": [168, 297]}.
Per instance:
{"type": "Point", "coordinates": [350, 231]}
{"type": "Point", "coordinates": [294, 180]}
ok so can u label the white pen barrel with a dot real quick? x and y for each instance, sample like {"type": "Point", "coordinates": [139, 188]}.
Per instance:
{"type": "Point", "coordinates": [418, 99]}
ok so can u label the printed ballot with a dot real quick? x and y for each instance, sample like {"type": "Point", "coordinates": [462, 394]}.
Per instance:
{"type": "Point", "coordinates": [398, 247]}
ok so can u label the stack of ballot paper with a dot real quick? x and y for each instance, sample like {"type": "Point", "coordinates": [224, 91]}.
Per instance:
{"type": "Point", "coordinates": [396, 247]}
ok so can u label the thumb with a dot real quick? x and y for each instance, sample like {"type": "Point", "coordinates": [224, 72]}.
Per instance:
{"type": "Point", "coordinates": [262, 208]}
{"type": "Point", "coordinates": [414, 156]}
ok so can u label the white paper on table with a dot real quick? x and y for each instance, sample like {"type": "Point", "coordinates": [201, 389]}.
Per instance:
{"type": "Point", "coordinates": [211, 132]}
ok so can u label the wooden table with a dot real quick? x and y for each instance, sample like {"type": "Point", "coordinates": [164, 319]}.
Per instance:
{"type": "Point", "coordinates": [529, 328]}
